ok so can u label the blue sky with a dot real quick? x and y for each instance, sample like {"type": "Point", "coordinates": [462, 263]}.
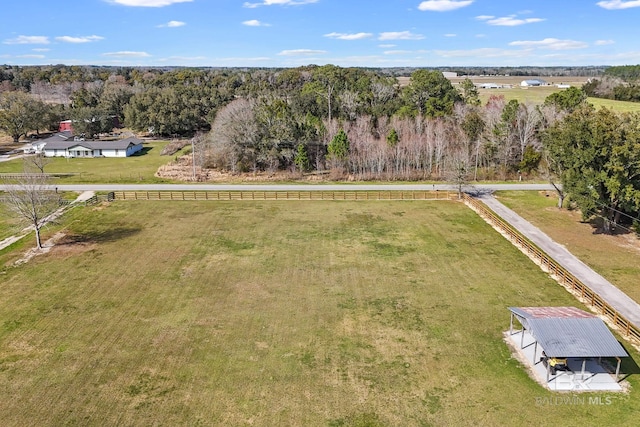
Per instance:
{"type": "Point", "coordinates": [290, 33]}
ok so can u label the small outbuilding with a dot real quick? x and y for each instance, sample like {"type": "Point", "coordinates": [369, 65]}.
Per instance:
{"type": "Point", "coordinates": [578, 341]}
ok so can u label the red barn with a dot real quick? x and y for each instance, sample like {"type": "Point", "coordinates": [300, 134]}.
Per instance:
{"type": "Point", "coordinates": [65, 125]}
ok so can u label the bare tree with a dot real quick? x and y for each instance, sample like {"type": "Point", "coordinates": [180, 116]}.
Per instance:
{"type": "Point", "coordinates": [37, 162]}
{"type": "Point", "coordinates": [527, 121]}
{"type": "Point", "coordinates": [235, 136]}
{"type": "Point", "coordinates": [350, 103]}
{"type": "Point", "coordinates": [458, 168]}
{"type": "Point", "coordinates": [33, 200]}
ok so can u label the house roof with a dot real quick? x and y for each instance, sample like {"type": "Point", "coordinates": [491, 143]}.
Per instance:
{"type": "Point", "coordinates": [62, 142]}
{"type": "Point", "coordinates": [569, 332]}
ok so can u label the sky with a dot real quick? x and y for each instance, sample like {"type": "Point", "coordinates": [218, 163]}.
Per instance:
{"type": "Point", "coordinates": [291, 33]}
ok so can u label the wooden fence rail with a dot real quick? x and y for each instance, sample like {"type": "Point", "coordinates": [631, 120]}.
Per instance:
{"type": "Point", "coordinates": [284, 195]}
{"type": "Point", "coordinates": [562, 275]}
{"type": "Point", "coordinates": [18, 176]}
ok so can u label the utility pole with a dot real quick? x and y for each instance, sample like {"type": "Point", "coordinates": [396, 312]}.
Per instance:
{"type": "Point", "coordinates": [193, 156]}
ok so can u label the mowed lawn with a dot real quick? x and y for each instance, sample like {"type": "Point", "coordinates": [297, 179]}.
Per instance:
{"type": "Point", "coordinates": [9, 225]}
{"type": "Point", "coordinates": [615, 257]}
{"type": "Point", "coordinates": [276, 314]}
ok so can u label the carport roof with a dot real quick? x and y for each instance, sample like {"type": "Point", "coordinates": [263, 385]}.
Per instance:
{"type": "Point", "coordinates": [569, 332]}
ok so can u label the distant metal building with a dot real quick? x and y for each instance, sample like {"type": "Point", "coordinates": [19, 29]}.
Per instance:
{"type": "Point", "coordinates": [532, 82]}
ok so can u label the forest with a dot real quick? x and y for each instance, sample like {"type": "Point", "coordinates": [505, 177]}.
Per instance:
{"type": "Point", "coordinates": [288, 119]}
{"type": "Point", "coordinates": [351, 123]}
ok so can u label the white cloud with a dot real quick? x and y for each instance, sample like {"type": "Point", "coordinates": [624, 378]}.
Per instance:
{"type": "Point", "coordinates": [255, 23]}
{"type": "Point", "coordinates": [28, 40]}
{"type": "Point", "coordinates": [86, 39]}
{"type": "Point", "coordinates": [451, 35]}
{"type": "Point", "coordinates": [30, 56]}
{"type": "Point", "coordinates": [618, 4]}
{"type": "Point", "coordinates": [301, 52]}
{"type": "Point", "coordinates": [41, 49]}
{"type": "Point", "coordinates": [344, 36]}
{"type": "Point", "coordinates": [172, 24]}
{"type": "Point", "coordinates": [443, 5]}
{"type": "Point", "coordinates": [278, 3]}
{"type": "Point", "coordinates": [550, 43]}
{"type": "Point", "coordinates": [127, 54]}
{"type": "Point", "coordinates": [397, 52]}
{"type": "Point", "coordinates": [148, 3]}
{"type": "Point", "coordinates": [603, 42]}
{"type": "Point", "coordinates": [387, 46]}
{"type": "Point", "coordinates": [507, 21]}
{"type": "Point", "coordinates": [400, 35]}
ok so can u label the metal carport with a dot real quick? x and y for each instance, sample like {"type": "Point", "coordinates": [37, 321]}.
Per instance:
{"type": "Point", "coordinates": [567, 332]}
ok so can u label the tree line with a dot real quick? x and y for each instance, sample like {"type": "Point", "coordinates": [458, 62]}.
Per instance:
{"type": "Point", "coordinates": [352, 123]}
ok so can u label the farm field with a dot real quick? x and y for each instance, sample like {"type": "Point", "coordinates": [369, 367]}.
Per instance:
{"type": "Point", "coordinates": [614, 257]}
{"type": "Point", "coordinates": [276, 313]}
{"type": "Point", "coordinates": [537, 95]}
{"type": "Point", "coordinates": [134, 169]}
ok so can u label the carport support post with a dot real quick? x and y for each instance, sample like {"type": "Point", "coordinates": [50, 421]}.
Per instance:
{"type": "Point", "coordinates": [511, 325]}
{"type": "Point", "coordinates": [522, 338]}
{"type": "Point", "coordinates": [535, 350]}
{"type": "Point", "coordinates": [584, 362]}
{"type": "Point", "coordinates": [547, 371]}
{"type": "Point", "coordinates": [618, 369]}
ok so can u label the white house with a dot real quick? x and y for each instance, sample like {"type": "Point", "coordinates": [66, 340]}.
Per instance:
{"type": "Point", "coordinates": [65, 145]}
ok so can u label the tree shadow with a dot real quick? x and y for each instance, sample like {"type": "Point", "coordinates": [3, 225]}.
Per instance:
{"type": "Point", "coordinates": [476, 191]}
{"type": "Point", "coordinates": [142, 152]}
{"type": "Point", "coordinates": [100, 236]}
{"type": "Point", "coordinates": [597, 225]}
{"type": "Point", "coordinates": [628, 365]}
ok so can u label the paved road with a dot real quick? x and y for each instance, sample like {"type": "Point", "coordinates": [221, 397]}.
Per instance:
{"type": "Point", "coordinates": [7, 158]}
{"type": "Point", "coordinates": [612, 295]}
{"type": "Point", "coordinates": [296, 187]}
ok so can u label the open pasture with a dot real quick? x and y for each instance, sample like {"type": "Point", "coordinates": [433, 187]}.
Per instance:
{"type": "Point", "coordinates": [275, 314]}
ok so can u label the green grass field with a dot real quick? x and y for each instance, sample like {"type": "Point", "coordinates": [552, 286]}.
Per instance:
{"type": "Point", "coordinates": [8, 224]}
{"type": "Point", "coordinates": [537, 95]}
{"type": "Point", "coordinates": [615, 257]}
{"type": "Point", "coordinates": [275, 314]}
{"type": "Point", "coordinates": [135, 169]}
